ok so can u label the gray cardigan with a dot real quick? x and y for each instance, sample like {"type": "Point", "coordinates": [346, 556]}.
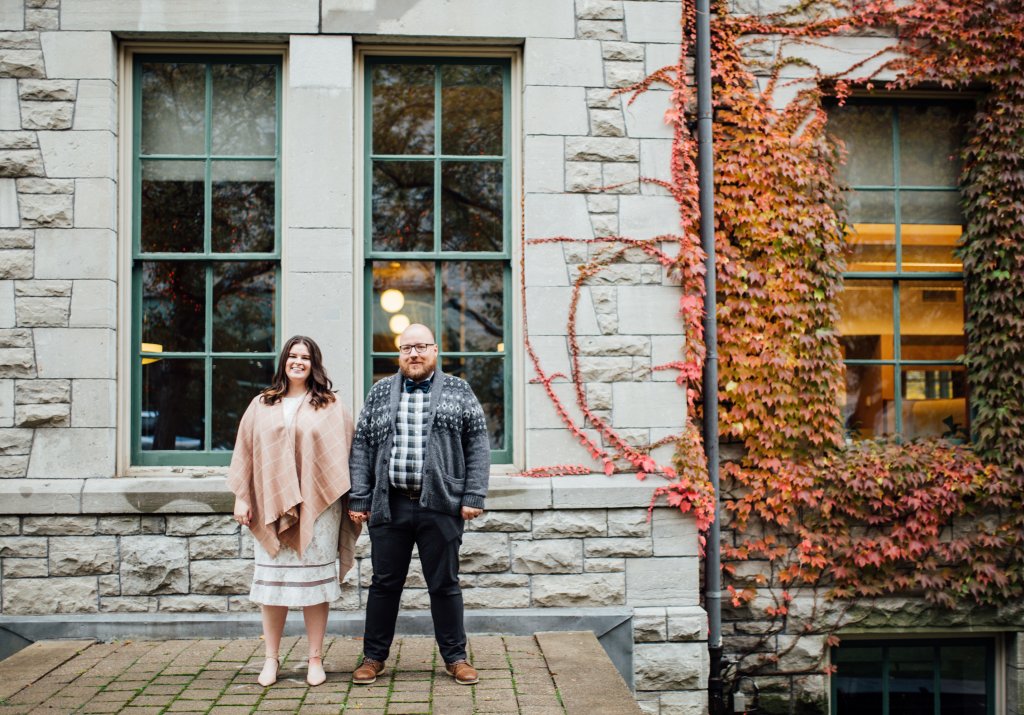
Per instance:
{"type": "Point", "coordinates": [457, 462]}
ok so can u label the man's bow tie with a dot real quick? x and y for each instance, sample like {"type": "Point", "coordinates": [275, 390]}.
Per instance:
{"type": "Point", "coordinates": [411, 385]}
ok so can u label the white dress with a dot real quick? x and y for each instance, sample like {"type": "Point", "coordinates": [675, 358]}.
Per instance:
{"type": "Point", "coordinates": [289, 579]}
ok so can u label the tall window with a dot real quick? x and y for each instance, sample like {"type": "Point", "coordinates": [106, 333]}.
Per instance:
{"type": "Point", "coordinates": [902, 311]}
{"type": "Point", "coordinates": [437, 230]}
{"type": "Point", "coordinates": [206, 250]}
{"type": "Point", "coordinates": [952, 677]}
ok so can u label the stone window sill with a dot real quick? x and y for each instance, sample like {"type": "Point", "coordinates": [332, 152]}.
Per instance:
{"type": "Point", "coordinates": [169, 493]}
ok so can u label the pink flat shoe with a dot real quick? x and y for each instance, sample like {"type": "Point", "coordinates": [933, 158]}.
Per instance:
{"type": "Point", "coordinates": [268, 676]}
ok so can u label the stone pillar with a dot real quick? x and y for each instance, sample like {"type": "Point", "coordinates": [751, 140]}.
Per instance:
{"type": "Point", "coordinates": [318, 200]}
{"type": "Point", "coordinates": [58, 249]}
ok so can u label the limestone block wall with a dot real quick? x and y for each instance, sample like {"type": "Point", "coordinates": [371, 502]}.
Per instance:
{"type": "Point", "coordinates": [540, 546]}
{"type": "Point", "coordinates": [58, 270]}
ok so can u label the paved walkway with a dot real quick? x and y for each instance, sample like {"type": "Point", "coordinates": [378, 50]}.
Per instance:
{"type": "Point", "coordinates": [218, 677]}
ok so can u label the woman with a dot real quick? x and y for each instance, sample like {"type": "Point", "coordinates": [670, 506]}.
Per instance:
{"type": "Point", "coordinates": [288, 472]}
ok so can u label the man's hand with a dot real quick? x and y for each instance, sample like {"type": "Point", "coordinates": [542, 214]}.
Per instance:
{"type": "Point", "coordinates": [469, 513]}
{"type": "Point", "coordinates": [242, 512]}
{"type": "Point", "coordinates": [359, 516]}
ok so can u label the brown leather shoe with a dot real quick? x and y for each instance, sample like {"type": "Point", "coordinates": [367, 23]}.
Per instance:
{"type": "Point", "coordinates": [463, 672]}
{"type": "Point", "coordinates": [367, 672]}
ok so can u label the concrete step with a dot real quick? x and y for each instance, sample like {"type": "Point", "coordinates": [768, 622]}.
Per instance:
{"type": "Point", "coordinates": [587, 681]}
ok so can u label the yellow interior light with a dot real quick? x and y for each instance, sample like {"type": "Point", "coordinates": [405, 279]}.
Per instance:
{"type": "Point", "coordinates": [392, 300]}
{"type": "Point", "coordinates": [151, 348]}
{"type": "Point", "coordinates": [398, 323]}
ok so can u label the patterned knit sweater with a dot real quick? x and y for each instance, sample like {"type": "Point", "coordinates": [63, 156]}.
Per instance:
{"type": "Point", "coordinates": [457, 462]}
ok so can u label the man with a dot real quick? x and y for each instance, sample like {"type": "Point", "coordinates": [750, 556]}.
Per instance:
{"type": "Point", "coordinates": [420, 465]}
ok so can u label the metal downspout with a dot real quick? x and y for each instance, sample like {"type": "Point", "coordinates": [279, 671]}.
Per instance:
{"type": "Point", "coordinates": [705, 169]}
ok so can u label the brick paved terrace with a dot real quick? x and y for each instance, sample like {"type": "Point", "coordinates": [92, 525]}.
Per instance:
{"type": "Point", "coordinates": [547, 674]}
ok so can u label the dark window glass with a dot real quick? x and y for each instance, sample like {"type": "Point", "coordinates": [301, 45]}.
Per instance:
{"type": "Point", "coordinates": [437, 248]}
{"type": "Point", "coordinates": [205, 328]}
{"type": "Point", "coordinates": [913, 677]}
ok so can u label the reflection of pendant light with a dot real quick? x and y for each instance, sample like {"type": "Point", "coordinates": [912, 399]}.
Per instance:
{"type": "Point", "coordinates": [501, 347]}
{"type": "Point", "coordinates": [151, 348]}
{"type": "Point", "coordinates": [392, 300]}
{"type": "Point", "coordinates": [398, 323]}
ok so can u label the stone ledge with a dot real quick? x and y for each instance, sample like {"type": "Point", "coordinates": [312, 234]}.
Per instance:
{"type": "Point", "coordinates": [208, 495]}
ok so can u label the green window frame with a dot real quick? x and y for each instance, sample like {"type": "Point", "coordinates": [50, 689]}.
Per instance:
{"type": "Point", "coordinates": [894, 676]}
{"type": "Point", "coordinates": [206, 249]}
{"type": "Point", "coordinates": [436, 180]}
{"type": "Point", "coordinates": [905, 376]}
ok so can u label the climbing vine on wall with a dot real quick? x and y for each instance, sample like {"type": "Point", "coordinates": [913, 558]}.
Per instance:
{"type": "Point", "coordinates": [932, 518]}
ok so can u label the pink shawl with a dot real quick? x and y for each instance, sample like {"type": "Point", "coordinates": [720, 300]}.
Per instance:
{"type": "Point", "coordinates": [291, 475]}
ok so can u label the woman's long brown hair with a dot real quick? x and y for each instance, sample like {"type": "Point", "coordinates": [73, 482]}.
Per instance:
{"type": "Point", "coordinates": [318, 384]}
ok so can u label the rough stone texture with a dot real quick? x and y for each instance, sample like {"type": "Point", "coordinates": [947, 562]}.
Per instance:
{"type": "Point", "coordinates": [48, 90]}
{"type": "Point", "coordinates": [484, 553]}
{"type": "Point", "coordinates": [16, 264]}
{"type": "Point", "coordinates": [649, 625]}
{"type": "Point", "coordinates": [47, 115]}
{"type": "Point", "coordinates": [213, 547]}
{"type": "Point", "coordinates": [42, 312]}
{"type": "Point", "coordinates": [21, 63]}
{"type": "Point", "coordinates": [24, 568]}
{"type": "Point", "coordinates": [73, 556]}
{"type": "Point", "coordinates": [58, 525]}
{"type": "Point", "coordinates": [669, 666]}
{"type": "Point", "coordinates": [22, 546]}
{"type": "Point", "coordinates": [547, 556]}
{"type": "Point", "coordinates": [687, 624]}
{"type": "Point", "coordinates": [201, 525]}
{"type": "Point", "coordinates": [573, 590]}
{"type": "Point", "coordinates": [153, 565]}
{"type": "Point", "coordinates": [15, 441]}
{"type": "Point", "coordinates": [618, 547]}
{"type": "Point", "coordinates": [30, 392]}
{"type": "Point", "coordinates": [601, 149]}
{"type": "Point", "coordinates": [23, 596]}
{"type": "Point", "coordinates": [577, 522]}
{"type": "Point", "coordinates": [628, 522]}
{"type": "Point", "coordinates": [193, 604]}
{"type": "Point", "coordinates": [222, 576]}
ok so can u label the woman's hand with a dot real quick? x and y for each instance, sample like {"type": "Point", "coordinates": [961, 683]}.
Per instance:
{"type": "Point", "coordinates": [359, 516]}
{"type": "Point", "coordinates": [242, 512]}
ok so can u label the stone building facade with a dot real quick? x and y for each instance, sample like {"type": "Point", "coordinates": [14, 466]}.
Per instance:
{"type": "Point", "coordinates": [89, 524]}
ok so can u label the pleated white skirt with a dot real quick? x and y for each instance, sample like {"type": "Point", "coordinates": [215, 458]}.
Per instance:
{"type": "Point", "coordinates": [289, 579]}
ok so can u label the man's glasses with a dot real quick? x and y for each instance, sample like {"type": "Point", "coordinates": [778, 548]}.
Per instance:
{"type": "Point", "coordinates": [420, 348]}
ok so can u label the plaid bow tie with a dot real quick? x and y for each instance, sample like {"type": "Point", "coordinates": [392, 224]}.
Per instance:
{"type": "Point", "coordinates": [411, 385]}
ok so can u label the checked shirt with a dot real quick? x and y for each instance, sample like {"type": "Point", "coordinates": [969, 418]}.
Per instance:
{"type": "Point", "coordinates": [406, 466]}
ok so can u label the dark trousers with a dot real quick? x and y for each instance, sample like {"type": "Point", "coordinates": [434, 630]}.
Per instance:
{"type": "Point", "coordinates": [438, 537]}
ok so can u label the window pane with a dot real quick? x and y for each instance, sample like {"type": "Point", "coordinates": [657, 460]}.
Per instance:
{"type": "Point", "coordinates": [403, 109]}
{"type": "Point", "coordinates": [871, 247]}
{"type": "Point", "coordinates": [866, 320]}
{"type": "Point", "coordinates": [172, 404]}
{"type": "Point", "coordinates": [403, 206]}
{"type": "Point", "coordinates": [858, 679]}
{"type": "Point", "coordinates": [872, 207]}
{"type": "Point", "coordinates": [912, 680]}
{"type": "Point", "coordinates": [172, 206]}
{"type": "Point", "coordinates": [471, 204]}
{"type": "Point", "coordinates": [868, 402]}
{"type": "Point", "coordinates": [235, 383]}
{"type": "Point", "coordinates": [244, 109]}
{"type": "Point", "coordinates": [487, 378]}
{"type": "Point", "coordinates": [174, 306]}
{"type": "Point", "coordinates": [931, 320]}
{"type": "Point", "coordinates": [382, 367]}
{"type": "Point", "coordinates": [403, 293]}
{"type": "Point", "coordinates": [242, 207]}
{"type": "Point", "coordinates": [963, 680]}
{"type": "Point", "coordinates": [473, 295]}
{"type": "Point", "coordinates": [934, 402]}
{"type": "Point", "coordinates": [867, 132]}
{"type": "Point", "coordinates": [929, 145]}
{"type": "Point", "coordinates": [243, 306]}
{"type": "Point", "coordinates": [931, 207]}
{"type": "Point", "coordinates": [471, 109]}
{"type": "Point", "coordinates": [173, 108]}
